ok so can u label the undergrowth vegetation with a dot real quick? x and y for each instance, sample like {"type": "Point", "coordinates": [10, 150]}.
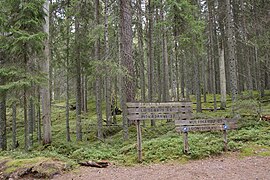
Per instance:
{"type": "Point", "coordinates": [160, 144]}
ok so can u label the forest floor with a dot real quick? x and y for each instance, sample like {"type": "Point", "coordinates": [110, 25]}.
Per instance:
{"type": "Point", "coordinates": [224, 167]}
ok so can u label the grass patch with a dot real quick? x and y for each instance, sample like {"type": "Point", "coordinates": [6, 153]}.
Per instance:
{"type": "Point", "coordinates": [252, 149]}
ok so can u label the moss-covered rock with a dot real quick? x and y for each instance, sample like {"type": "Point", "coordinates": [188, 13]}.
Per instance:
{"type": "Point", "coordinates": [32, 168]}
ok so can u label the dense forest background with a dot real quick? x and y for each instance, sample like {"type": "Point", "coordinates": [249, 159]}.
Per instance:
{"type": "Point", "coordinates": [74, 54]}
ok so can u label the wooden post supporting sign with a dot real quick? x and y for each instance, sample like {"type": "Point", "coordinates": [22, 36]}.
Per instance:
{"type": "Point", "coordinates": [225, 138]}
{"type": "Point", "coordinates": [186, 148]}
{"type": "Point", "coordinates": [139, 141]}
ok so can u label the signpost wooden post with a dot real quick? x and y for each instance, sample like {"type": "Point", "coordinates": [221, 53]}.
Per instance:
{"type": "Point", "coordinates": [156, 111]}
{"type": "Point", "coordinates": [225, 140]}
{"type": "Point", "coordinates": [139, 141]}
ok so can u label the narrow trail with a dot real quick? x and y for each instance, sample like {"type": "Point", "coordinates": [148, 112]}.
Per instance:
{"type": "Point", "coordinates": [231, 168]}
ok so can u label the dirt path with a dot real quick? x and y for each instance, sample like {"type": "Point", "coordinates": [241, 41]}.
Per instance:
{"type": "Point", "coordinates": [213, 168]}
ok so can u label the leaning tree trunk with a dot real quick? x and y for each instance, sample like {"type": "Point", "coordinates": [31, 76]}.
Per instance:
{"type": "Point", "coordinates": [45, 89]}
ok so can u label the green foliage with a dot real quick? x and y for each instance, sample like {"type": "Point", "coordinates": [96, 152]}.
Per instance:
{"type": "Point", "coordinates": [21, 43]}
{"type": "Point", "coordinates": [17, 78]}
{"type": "Point", "coordinates": [24, 26]}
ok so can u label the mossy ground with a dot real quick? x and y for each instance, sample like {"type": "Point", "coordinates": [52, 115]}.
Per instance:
{"type": "Point", "coordinates": [160, 144]}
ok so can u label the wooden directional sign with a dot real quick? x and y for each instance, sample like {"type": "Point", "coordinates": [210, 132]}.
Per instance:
{"type": "Point", "coordinates": [156, 111]}
{"type": "Point", "coordinates": [201, 128]}
{"type": "Point", "coordinates": [157, 116]}
{"type": "Point", "coordinates": [205, 124]}
{"type": "Point", "coordinates": [159, 111]}
{"type": "Point", "coordinates": [205, 121]}
{"type": "Point", "coordinates": [165, 104]}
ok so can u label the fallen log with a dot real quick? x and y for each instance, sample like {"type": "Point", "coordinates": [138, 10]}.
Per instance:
{"type": "Point", "coordinates": [265, 118]}
{"type": "Point", "coordinates": [100, 164]}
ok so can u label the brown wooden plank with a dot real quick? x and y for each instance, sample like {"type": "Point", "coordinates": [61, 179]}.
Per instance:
{"type": "Point", "coordinates": [205, 121]}
{"type": "Point", "coordinates": [158, 116]}
{"type": "Point", "coordinates": [159, 110]}
{"type": "Point", "coordinates": [166, 104]}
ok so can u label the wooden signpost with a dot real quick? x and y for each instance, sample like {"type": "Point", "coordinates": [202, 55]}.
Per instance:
{"type": "Point", "coordinates": [181, 112]}
{"type": "Point", "coordinates": [157, 111]}
{"type": "Point", "coordinates": [219, 124]}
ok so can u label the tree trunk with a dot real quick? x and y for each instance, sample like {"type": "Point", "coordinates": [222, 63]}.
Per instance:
{"type": "Point", "coordinates": [78, 77]}
{"type": "Point", "coordinates": [26, 123]}
{"type": "Point", "coordinates": [31, 119]}
{"type": "Point", "coordinates": [98, 79]}
{"type": "Point", "coordinates": [212, 58]}
{"type": "Point", "coordinates": [205, 82]}
{"type": "Point", "coordinates": [108, 79]}
{"type": "Point", "coordinates": [45, 89]}
{"type": "Point", "coordinates": [3, 132]}
{"type": "Point", "coordinates": [14, 125]}
{"type": "Point", "coordinates": [158, 55]}
{"type": "Point", "coordinates": [85, 94]}
{"type": "Point", "coordinates": [150, 63]}
{"type": "Point", "coordinates": [231, 51]}
{"type": "Point", "coordinates": [67, 73]}
{"type": "Point", "coordinates": [222, 77]}
{"type": "Point", "coordinates": [141, 51]}
{"type": "Point", "coordinates": [127, 86]}
{"type": "Point", "coordinates": [198, 84]}
{"type": "Point", "coordinates": [38, 118]}
{"type": "Point", "coordinates": [165, 83]}
{"type": "Point", "coordinates": [182, 70]}
{"type": "Point", "coordinates": [82, 89]}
